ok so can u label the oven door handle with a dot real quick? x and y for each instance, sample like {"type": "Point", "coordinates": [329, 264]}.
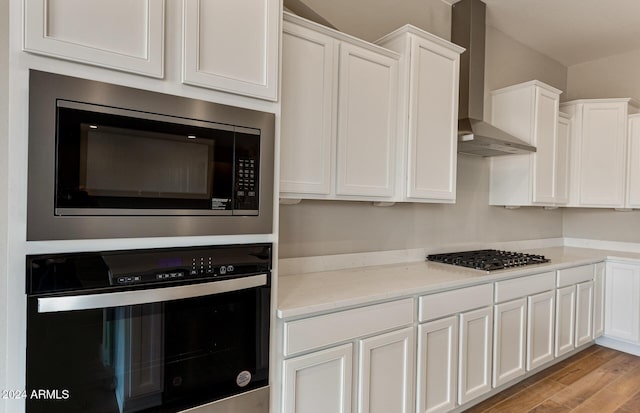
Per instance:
{"type": "Point", "coordinates": [124, 298]}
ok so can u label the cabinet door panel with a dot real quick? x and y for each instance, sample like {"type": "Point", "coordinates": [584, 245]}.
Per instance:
{"type": "Point", "coordinates": [565, 319]}
{"type": "Point", "coordinates": [622, 301]}
{"type": "Point", "coordinates": [437, 365]}
{"type": "Point", "coordinates": [563, 160]}
{"type": "Point", "coordinates": [509, 341]}
{"type": "Point", "coordinates": [309, 72]}
{"type": "Point", "coordinates": [604, 138]}
{"type": "Point", "coordinates": [584, 313]}
{"type": "Point", "coordinates": [386, 373]}
{"type": "Point", "coordinates": [598, 300]}
{"type": "Point", "coordinates": [319, 382]}
{"type": "Point", "coordinates": [125, 35]}
{"type": "Point", "coordinates": [232, 45]}
{"type": "Point", "coordinates": [544, 165]}
{"type": "Point", "coordinates": [367, 99]}
{"type": "Point", "coordinates": [634, 161]}
{"type": "Point", "coordinates": [540, 320]}
{"type": "Point", "coordinates": [474, 377]}
{"type": "Point", "coordinates": [433, 122]}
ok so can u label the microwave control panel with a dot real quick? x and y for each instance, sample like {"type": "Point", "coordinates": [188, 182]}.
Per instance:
{"type": "Point", "coordinates": [246, 184]}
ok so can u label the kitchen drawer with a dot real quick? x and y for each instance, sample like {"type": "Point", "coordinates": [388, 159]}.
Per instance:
{"type": "Point", "coordinates": [451, 302]}
{"type": "Point", "coordinates": [524, 286]}
{"type": "Point", "coordinates": [309, 333]}
{"type": "Point", "coordinates": [575, 275]}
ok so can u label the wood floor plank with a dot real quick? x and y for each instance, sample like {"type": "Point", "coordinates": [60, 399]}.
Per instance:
{"type": "Point", "coordinates": [603, 401]}
{"type": "Point", "coordinates": [549, 406]}
{"type": "Point", "coordinates": [529, 398]}
{"type": "Point", "coordinates": [628, 383]}
{"type": "Point", "coordinates": [584, 366]}
{"type": "Point", "coordinates": [632, 405]}
{"type": "Point", "coordinates": [595, 380]}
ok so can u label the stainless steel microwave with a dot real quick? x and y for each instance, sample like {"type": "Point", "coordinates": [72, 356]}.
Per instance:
{"type": "Point", "coordinates": [107, 161]}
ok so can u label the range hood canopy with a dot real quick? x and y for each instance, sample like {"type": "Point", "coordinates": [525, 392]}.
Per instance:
{"type": "Point", "coordinates": [476, 137]}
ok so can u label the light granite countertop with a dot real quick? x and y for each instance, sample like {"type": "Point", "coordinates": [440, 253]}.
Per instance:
{"type": "Point", "coordinates": [307, 294]}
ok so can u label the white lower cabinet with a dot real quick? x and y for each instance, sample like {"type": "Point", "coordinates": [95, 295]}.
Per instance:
{"type": "Point", "coordinates": [509, 341]}
{"type": "Point", "coordinates": [454, 347]}
{"type": "Point", "coordinates": [369, 366]}
{"type": "Point", "coordinates": [565, 320]}
{"type": "Point", "coordinates": [540, 329]}
{"type": "Point", "coordinates": [584, 313]}
{"type": "Point", "coordinates": [622, 302]}
{"type": "Point", "coordinates": [385, 373]}
{"type": "Point", "coordinates": [437, 365]}
{"type": "Point", "coordinates": [598, 300]}
{"type": "Point", "coordinates": [319, 382]}
{"type": "Point", "coordinates": [474, 370]}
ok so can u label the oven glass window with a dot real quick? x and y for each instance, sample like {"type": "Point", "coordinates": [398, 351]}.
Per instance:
{"type": "Point", "coordinates": [161, 357]}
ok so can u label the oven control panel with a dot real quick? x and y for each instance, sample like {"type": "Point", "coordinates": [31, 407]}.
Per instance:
{"type": "Point", "coordinates": [67, 272]}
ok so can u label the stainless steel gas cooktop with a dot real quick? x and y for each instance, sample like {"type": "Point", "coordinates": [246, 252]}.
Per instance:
{"type": "Point", "coordinates": [488, 260]}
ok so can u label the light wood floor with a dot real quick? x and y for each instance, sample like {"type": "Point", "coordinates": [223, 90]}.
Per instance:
{"type": "Point", "coordinates": [596, 380]}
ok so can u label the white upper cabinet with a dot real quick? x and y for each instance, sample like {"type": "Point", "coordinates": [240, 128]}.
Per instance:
{"type": "Point", "coordinates": [633, 192]}
{"type": "Point", "coordinates": [339, 115]}
{"type": "Point", "coordinates": [367, 104]}
{"type": "Point", "coordinates": [232, 45]}
{"type": "Point", "coordinates": [563, 160]}
{"type": "Point", "coordinates": [309, 87]}
{"type": "Point", "coordinates": [227, 45]}
{"type": "Point", "coordinates": [599, 151]}
{"type": "Point", "coordinates": [427, 156]}
{"type": "Point", "coordinates": [125, 35]}
{"type": "Point", "coordinates": [529, 111]}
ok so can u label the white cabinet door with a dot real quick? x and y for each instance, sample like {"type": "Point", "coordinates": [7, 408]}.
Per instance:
{"type": "Point", "coordinates": [124, 35]}
{"type": "Point", "coordinates": [232, 45]}
{"type": "Point", "coordinates": [437, 365]}
{"type": "Point", "coordinates": [603, 154]}
{"type": "Point", "coordinates": [319, 382]}
{"type": "Point", "coordinates": [433, 121]}
{"type": "Point", "coordinates": [546, 142]}
{"type": "Point", "coordinates": [367, 99]}
{"type": "Point", "coordinates": [634, 162]}
{"type": "Point", "coordinates": [584, 313]}
{"type": "Point", "coordinates": [540, 329]}
{"type": "Point", "coordinates": [598, 300]}
{"type": "Point", "coordinates": [385, 382]}
{"type": "Point", "coordinates": [509, 341]}
{"type": "Point", "coordinates": [565, 319]}
{"type": "Point", "coordinates": [474, 377]}
{"type": "Point", "coordinates": [622, 301]}
{"type": "Point", "coordinates": [563, 159]}
{"type": "Point", "coordinates": [309, 82]}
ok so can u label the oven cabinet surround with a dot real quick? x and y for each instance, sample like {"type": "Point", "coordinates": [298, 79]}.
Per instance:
{"type": "Point", "coordinates": [228, 45]}
{"type": "Point", "coordinates": [339, 115]}
{"type": "Point", "coordinates": [523, 326]}
{"type": "Point", "coordinates": [529, 111]}
{"type": "Point", "coordinates": [428, 113]}
{"type": "Point", "coordinates": [359, 360]}
{"type": "Point", "coordinates": [599, 151]}
{"type": "Point", "coordinates": [454, 347]}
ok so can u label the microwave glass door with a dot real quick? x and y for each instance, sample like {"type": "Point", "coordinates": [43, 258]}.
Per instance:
{"type": "Point", "coordinates": [110, 161]}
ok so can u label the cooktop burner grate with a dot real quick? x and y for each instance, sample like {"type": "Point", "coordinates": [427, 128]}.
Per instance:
{"type": "Point", "coordinates": [488, 260]}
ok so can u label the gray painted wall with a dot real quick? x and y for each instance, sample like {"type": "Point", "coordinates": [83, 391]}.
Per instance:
{"type": "Point", "coordinates": [4, 192]}
{"type": "Point", "coordinates": [333, 227]}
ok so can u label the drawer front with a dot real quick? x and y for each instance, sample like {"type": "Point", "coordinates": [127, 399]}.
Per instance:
{"type": "Point", "coordinates": [522, 287]}
{"type": "Point", "coordinates": [309, 333]}
{"type": "Point", "coordinates": [443, 304]}
{"type": "Point", "coordinates": [575, 275]}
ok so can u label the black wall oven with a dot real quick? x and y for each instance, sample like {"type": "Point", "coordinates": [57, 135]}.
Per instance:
{"type": "Point", "coordinates": [162, 330]}
{"type": "Point", "coordinates": [107, 161]}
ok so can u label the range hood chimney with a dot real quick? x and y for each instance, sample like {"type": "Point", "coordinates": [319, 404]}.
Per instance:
{"type": "Point", "coordinates": [476, 137]}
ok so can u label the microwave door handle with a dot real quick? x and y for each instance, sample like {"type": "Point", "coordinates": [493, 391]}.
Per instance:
{"type": "Point", "coordinates": [125, 298]}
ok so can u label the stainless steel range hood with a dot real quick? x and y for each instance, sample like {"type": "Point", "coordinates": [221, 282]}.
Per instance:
{"type": "Point", "coordinates": [476, 137]}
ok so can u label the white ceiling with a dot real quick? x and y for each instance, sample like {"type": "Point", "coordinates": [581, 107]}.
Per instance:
{"type": "Point", "coordinates": [569, 31]}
